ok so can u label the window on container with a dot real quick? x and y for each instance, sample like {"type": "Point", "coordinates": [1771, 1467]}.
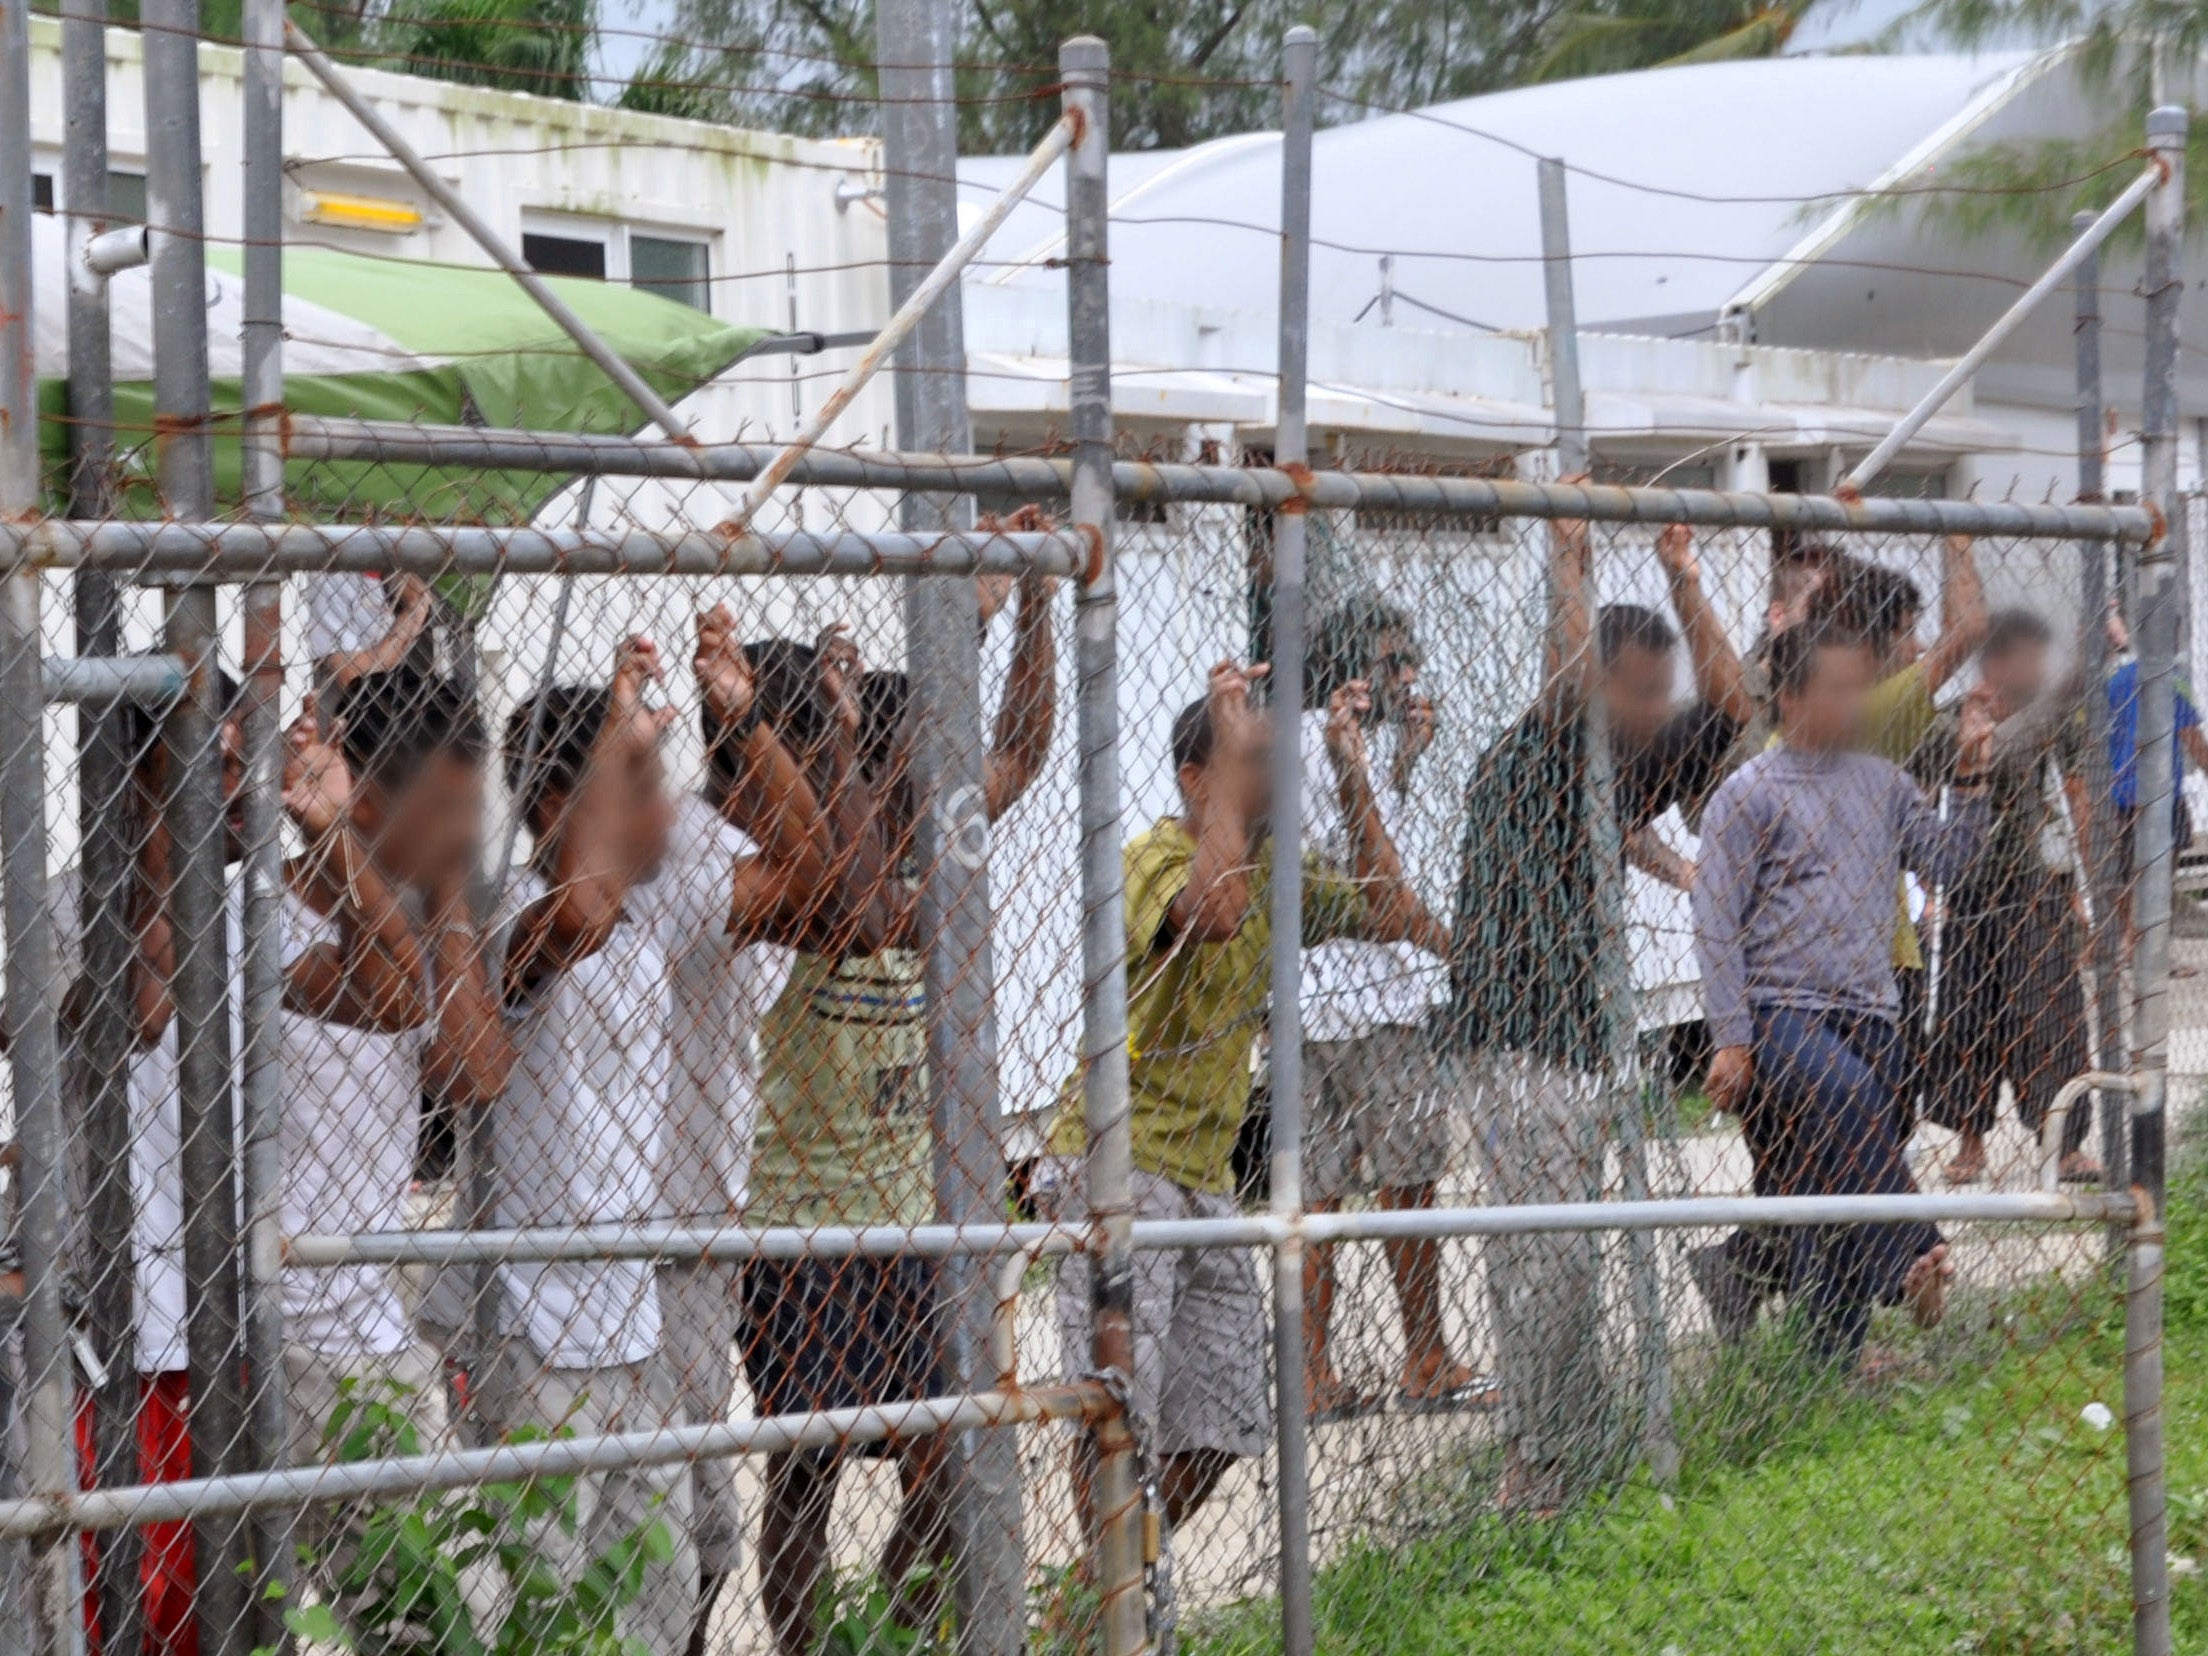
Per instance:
{"type": "Point", "coordinates": [673, 269]}
{"type": "Point", "coordinates": [42, 192]}
{"type": "Point", "coordinates": [564, 255]}
{"type": "Point", "coordinates": [126, 197]}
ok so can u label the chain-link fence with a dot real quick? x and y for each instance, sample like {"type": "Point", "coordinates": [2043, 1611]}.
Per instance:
{"type": "Point", "coordinates": [604, 1057]}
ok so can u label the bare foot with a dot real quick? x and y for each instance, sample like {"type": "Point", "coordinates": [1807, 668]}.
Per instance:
{"type": "Point", "coordinates": [1529, 1491]}
{"type": "Point", "coordinates": [1924, 1289]}
{"type": "Point", "coordinates": [1880, 1367]}
{"type": "Point", "coordinates": [1434, 1374]}
{"type": "Point", "coordinates": [2079, 1168]}
{"type": "Point", "coordinates": [1969, 1165]}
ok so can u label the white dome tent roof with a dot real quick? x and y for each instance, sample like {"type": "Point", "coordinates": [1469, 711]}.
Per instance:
{"type": "Point", "coordinates": [1775, 145]}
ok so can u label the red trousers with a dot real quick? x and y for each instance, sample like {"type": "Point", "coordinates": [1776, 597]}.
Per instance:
{"type": "Point", "coordinates": [166, 1573]}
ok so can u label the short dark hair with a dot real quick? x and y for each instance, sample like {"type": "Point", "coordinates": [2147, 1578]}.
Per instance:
{"type": "Point", "coordinates": [789, 693]}
{"type": "Point", "coordinates": [548, 742]}
{"type": "Point", "coordinates": [1193, 736]}
{"type": "Point", "coordinates": [1793, 653]}
{"type": "Point", "coordinates": [1345, 645]}
{"type": "Point", "coordinates": [390, 723]}
{"type": "Point", "coordinates": [1620, 627]}
{"type": "Point", "coordinates": [1868, 599]}
{"type": "Point", "coordinates": [2011, 628]}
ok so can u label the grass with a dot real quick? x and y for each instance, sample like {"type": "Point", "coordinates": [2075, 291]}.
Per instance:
{"type": "Point", "coordinates": [1979, 1514]}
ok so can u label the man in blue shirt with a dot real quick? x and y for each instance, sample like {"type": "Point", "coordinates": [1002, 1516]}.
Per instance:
{"type": "Point", "coordinates": [2123, 754]}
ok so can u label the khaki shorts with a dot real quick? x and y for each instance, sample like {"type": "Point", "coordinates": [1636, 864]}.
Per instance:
{"type": "Point", "coordinates": [699, 1308]}
{"type": "Point", "coordinates": [517, 1389]}
{"type": "Point", "coordinates": [1200, 1339]}
{"type": "Point", "coordinates": [1374, 1104]}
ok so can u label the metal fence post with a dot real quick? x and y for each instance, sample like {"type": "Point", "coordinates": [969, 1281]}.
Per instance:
{"type": "Point", "coordinates": [260, 1098]}
{"type": "Point", "coordinates": [196, 812]}
{"type": "Point", "coordinates": [2102, 874]}
{"type": "Point", "coordinates": [2155, 802]}
{"type": "Point", "coordinates": [918, 41]}
{"type": "Point", "coordinates": [1291, 450]}
{"type": "Point", "coordinates": [104, 1036]}
{"type": "Point", "coordinates": [1084, 65]}
{"type": "Point", "coordinates": [46, 1435]}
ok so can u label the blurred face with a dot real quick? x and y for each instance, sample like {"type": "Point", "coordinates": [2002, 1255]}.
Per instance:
{"type": "Point", "coordinates": [427, 829]}
{"type": "Point", "coordinates": [1830, 713]}
{"type": "Point", "coordinates": [2015, 675]}
{"type": "Point", "coordinates": [1636, 695]}
{"type": "Point", "coordinates": [643, 813]}
{"type": "Point", "coordinates": [1239, 772]}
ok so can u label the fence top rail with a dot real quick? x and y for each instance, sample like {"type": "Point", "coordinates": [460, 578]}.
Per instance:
{"type": "Point", "coordinates": [583, 454]}
{"type": "Point", "coordinates": [245, 551]}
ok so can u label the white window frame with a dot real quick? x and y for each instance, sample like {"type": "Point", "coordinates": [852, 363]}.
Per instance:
{"type": "Point", "coordinates": [613, 235]}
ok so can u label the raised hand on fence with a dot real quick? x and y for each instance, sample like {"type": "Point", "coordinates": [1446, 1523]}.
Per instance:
{"type": "Point", "coordinates": [723, 673]}
{"type": "Point", "coordinates": [317, 787]}
{"type": "Point", "coordinates": [841, 668]}
{"type": "Point", "coordinates": [756, 785]}
{"type": "Point", "coordinates": [411, 603]}
{"type": "Point", "coordinates": [1027, 717]}
{"type": "Point", "coordinates": [1346, 710]}
{"type": "Point", "coordinates": [1569, 665]}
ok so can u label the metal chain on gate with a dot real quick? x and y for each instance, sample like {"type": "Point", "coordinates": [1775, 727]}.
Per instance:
{"type": "Point", "coordinates": [1160, 1611]}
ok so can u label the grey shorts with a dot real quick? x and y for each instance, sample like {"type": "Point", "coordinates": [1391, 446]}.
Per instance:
{"type": "Point", "coordinates": [1375, 1115]}
{"type": "Point", "coordinates": [699, 1307]}
{"type": "Point", "coordinates": [1200, 1340]}
{"type": "Point", "coordinates": [516, 1390]}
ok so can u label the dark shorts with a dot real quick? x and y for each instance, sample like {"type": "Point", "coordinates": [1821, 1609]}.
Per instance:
{"type": "Point", "coordinates": [2013, 1006]}
{"type": "Point", "coordinates": [841, 1334]}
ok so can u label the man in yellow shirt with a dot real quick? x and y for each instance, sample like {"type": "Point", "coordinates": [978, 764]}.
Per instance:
{"type": "Point", "coordinates": [1199, 976]}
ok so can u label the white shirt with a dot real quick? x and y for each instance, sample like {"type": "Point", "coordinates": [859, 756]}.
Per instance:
{"type": "Point", "coordinates": [580, 1136]}
{"type": "Point", "coordinates": [156, 1134]}
{"type": "Point", "coordinates": [352, 1108]}
{"type": "Point", "coordinates": [346, 612]}
{"type": "Point", "coordinates": [721, 994]}
{"type": "Point", "coordinates": [1350, 987]}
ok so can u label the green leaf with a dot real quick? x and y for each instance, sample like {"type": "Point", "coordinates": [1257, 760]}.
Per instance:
{"type": "Point", "coordinates": [316, 1623]}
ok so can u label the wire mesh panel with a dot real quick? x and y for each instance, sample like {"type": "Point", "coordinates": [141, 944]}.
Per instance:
{"type": "Point", "coordinates": [566, 1075]}
{"type": "Point", "coordinates": [601, 942]}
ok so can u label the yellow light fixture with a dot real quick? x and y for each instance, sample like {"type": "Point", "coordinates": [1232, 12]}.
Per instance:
{"type": "Point", "coordinates": [356, 212]}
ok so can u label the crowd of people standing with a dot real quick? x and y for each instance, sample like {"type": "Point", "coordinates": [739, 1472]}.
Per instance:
{"type": "Point", "coordinates": [703, 1003]}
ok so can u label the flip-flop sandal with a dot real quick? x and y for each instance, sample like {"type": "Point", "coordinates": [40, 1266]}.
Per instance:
{"type": "Point", "coordinates": [1353, 1406]}
{"type": "Point", "coordinates": [1481, 1394]}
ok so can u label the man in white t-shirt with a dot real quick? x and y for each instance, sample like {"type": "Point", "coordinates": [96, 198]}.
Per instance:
{"type": "Point", "coordinates": [615, 906]}
{"type": "Point", "coordinates": [1376, 1116]}
{"type": "Point", "coordinates": [378, 1007]}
